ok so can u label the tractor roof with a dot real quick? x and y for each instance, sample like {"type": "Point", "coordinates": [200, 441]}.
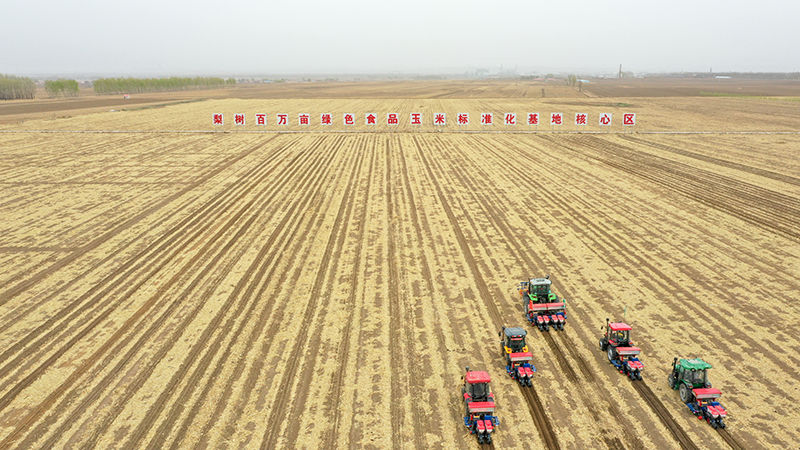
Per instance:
{"type": "Point", "coordinates": [515, 332]}
{"type": "Point", "coordinates": [478, 376]}
{"type": "Point", "coordinates": [540, 281]}
{"type": "Point", "coordinates": [619, 326]}
{"type": "Point", "coordinates": [694, 364]}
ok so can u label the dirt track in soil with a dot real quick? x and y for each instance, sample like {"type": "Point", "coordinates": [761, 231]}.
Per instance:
{"type": "Point", "coordinates": [327, 290]}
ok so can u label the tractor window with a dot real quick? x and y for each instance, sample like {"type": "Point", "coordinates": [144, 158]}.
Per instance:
{"type": "Point", "coordinates": [698, 377]}
{"type": "Point", "coordinates": [480, 390]}
{"type": "Point", "coordinates": [516, 344]}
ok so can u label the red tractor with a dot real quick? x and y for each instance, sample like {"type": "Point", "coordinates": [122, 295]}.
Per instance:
{"type": "Point", "coordinates": [518, 358]}
{"type": "Point", "coordinates": [479, 415]}
{"type": "Point", "coordinates": [542, 306]}
{"type": "Point", "coordinates": [620, 350]}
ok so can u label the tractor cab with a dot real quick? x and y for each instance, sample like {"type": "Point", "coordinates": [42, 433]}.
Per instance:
{"type": "Point", "coordinates": [618, 334]}
{"type": "Point", "coordinates": [476, 386]}
{"type": "Point", "coordinates": [692, 372]}
{"type": "Point", "coordinates": [687, 376]}
{"type": "Point", "coordinates": [515, 339]}
{"type": "Point", "coordinates": [539, 290]}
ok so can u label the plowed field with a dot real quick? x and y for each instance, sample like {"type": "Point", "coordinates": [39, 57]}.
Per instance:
{"type": "Point", "coordinates": [327, 289]}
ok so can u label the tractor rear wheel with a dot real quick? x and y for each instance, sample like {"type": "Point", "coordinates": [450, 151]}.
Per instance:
{"type": "Point", "coordinates": [686, 395]}
{"type": "Point", "coordinates": [612, 354]}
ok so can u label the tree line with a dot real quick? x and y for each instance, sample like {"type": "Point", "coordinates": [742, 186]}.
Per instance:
{"type": "Point", "coordinates": [67, 88]}
{"type": "Point", "coordinates": [12, 88]}
{"type": "Point", "coordinates": [138, 85]}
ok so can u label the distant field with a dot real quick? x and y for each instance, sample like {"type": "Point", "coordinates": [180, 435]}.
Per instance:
{"type": "Point", "coordinates": [327, 289]}
{"type": "Point", "coordinates": [687, 87]}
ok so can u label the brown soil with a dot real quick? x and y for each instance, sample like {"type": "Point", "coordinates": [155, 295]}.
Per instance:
{"type": "Point", "coordinates": [327, 289]}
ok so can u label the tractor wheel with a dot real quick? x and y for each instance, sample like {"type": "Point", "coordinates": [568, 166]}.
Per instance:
{"type": "Point", "coordinates": [612, 353]}
{"type": "Point", "coordinates": [671, 380]}
{"type": "Point", "coordinates": [602, 345]}
{"type": "Point", "coordinates": [686, 394]}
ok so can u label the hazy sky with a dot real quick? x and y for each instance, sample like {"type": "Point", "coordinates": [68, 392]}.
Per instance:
{"type": "Point", "coordinates": [312, 36]}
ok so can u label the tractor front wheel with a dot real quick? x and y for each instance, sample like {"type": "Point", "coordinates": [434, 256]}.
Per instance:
{"type": "Point", "coordinates": [686, 395]}
{"type": "Point", "coordinates": [671, 380]}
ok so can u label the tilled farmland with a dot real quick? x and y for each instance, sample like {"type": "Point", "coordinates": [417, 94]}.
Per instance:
{"type": "Point", "coordinates": [327, 289]}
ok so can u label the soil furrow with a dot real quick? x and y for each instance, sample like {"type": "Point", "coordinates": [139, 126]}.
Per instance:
{"type": "Point", "coordinates": [311, 202]}
{"type": "Point", "coordinates": [403, 369]}
{"type": "Point", "coordinates": [51, 330]}
{"type": "Point", "coordinates": [119, 338]}
{"type": "Point", "coordinates": [729, 439]}
{"type": "Point", "coordinates": [234, 307]}
{"type": "Point", "coordinates": [21, 287]}
{"type": "Point", "coordinates": [335, 241]}
{"type": "Point", "coordinates": [343, 355]}
{"type": "Point", "coordinates": [718, 161]}
{"type": "Point", "coordinates": [666, 418]}
{"type": "Point", "coordinates": [143, 255]}
{"type": "Point", "coordinates": [767, 209]}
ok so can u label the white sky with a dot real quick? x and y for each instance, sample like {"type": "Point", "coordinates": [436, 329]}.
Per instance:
{"type": "Point", "coordinates": [410, 36]}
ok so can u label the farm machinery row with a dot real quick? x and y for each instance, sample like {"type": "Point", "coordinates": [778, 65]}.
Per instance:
{"type": "Point", "coordinates": [545, 310]}
{"type": "Point", "coordinates": [479, 401]}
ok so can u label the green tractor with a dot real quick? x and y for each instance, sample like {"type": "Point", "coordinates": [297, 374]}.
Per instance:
{"type": "Point", "coordinates": [689, 377]}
